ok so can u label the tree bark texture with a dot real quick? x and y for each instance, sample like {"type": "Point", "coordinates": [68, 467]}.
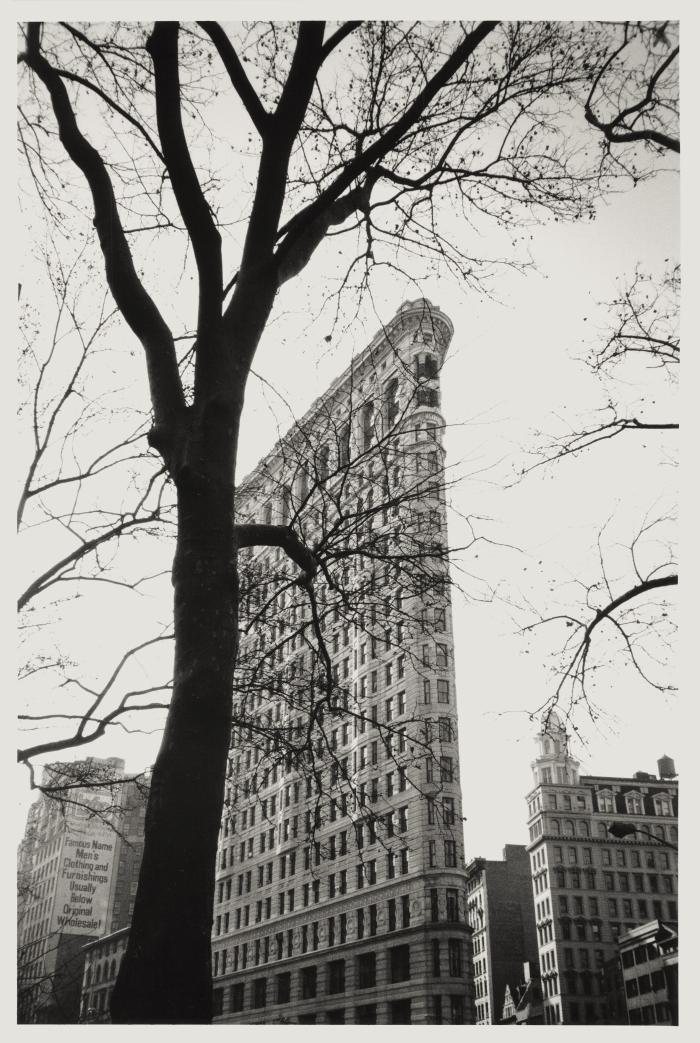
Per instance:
{"type": "Point", "coordinates": [165, 976]}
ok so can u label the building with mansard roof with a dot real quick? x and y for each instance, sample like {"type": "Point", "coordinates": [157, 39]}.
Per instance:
{"type": "Point", "coordinates": [604, 859]}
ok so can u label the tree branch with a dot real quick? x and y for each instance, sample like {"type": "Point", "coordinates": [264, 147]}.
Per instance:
{"type": "Point", "coordinates": [362, 163]}
{"type": "Point", "coordinates": [241, 84]}
{"type": "Point", "coordinates": [278, 536]}
{"type": "Point", "coordinates": [135, 304]}
{"type": "Point", "coordinates": [206, 241]}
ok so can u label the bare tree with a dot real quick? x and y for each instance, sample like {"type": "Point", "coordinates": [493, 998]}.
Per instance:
{"type": "Point", "coordinates": [374, 128]}
{"type": "Point", "coordinates": [639, 105]}
{"type": "Point", "coordinates": [626, 609]}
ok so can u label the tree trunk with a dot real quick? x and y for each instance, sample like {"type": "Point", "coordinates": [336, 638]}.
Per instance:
{"type": "Point", "coordinates": [165, 975]}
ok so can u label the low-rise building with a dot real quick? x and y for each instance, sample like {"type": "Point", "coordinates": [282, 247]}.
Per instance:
{"type": "Point", "coordinates": [649, 960]}
{"type": "Point", "coordinates": [522, 1004]}
{"type": "Point", "coordinates": [102, 959]}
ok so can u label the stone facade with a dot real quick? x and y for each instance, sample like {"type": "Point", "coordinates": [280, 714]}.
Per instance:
{"type": "Point", "coordinates": [591, 886]}
{"type": "Point", "coordinates": [340, 875]}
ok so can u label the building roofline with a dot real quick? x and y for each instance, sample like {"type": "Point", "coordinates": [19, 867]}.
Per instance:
{"type": "Point", "coordinates": [106, 938]}
{"type": "Point", "coordinates": [419, 308]}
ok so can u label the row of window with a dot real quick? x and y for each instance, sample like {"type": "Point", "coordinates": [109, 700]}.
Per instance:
{"type": "Point", "coordinates": [636, 859]}
{"type": "Point", "coordinates": [631, 882]}
{"type": "Point", "coordinates": [330, 978]}
{"type": "Point", "coordinates": [365, 873]}
{"type": "Point", "coordinates": [335, 931]}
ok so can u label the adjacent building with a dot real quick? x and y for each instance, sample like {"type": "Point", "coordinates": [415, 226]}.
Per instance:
{"type": "Point", "coordinates": [603, 857]}
{"type": "Point", "coordinates": [501, 913]}
{"type": "Point", "coordinates": [72, 881]}
{"type": "Point", "coordinates": [341, 890]}
{"type": "Point", "coordinates": [102, 959]}
{"type": "Point", "coordinates": [649, 961]}
{"type": "Point", "coordinates": [522, 1003]}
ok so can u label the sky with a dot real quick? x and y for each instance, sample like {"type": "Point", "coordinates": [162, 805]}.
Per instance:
{"type": "Point", "coordinates": [514, 362]}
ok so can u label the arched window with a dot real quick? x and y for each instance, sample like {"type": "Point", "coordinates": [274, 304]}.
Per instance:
{"type": "Point", "coordinates": [568, 827]}
{"type": "Point", "coordinates": [322, 462]}
{"type": "Point", "coordinates": [392, 401]}
{"type": "Point", "coordinates": [367, 425]}
{"type": "Point", "coordinates": [583, 830]}
{"type": "Point", "coordinates": [286, 504]}
{"type": "Point", "coordinates": [303, 485]}
{"type": "Point", "coordinates": [344, 446]}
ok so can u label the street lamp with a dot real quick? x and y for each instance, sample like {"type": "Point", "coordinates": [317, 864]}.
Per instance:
{"type": "Point", "coordinates": [627, 829]}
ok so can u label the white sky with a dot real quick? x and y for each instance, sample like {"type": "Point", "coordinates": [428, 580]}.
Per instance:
{"type": "Point", "coordinates": [511, 365]}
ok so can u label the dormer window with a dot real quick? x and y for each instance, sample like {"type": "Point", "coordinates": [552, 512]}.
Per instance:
{"type": "Point", "coordinates": [606, 802]}
{"type": "Point", "coordinates": [634, 804]}
{"type": "Point", "coordinates": [663, 805]}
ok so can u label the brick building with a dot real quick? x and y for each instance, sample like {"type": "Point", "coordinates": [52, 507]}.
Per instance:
{"type": "Point", "coordinates": [501, 914]}
{"type": "Point", "coordinates": [603, 854]}
{"type": "Point", "coordinates": [340, 876]}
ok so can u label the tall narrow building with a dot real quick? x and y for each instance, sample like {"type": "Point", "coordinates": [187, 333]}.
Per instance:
{"type": "Point", "coordinates": [67, 881]}
{"type": "Point", "coordinates": [340, 894]}
{"type": "Point", "coordinates": [501, 914]}
{"type": "Point", "coordinates": [604, 859]}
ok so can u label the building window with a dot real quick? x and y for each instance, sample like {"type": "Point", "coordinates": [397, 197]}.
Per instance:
{"type": "Point", "coordinates": [400, 963]}
{"type": "Point", "coordinates": [443, 691]}
{"type": "Point", "coordinates": [366, 970]}
{"type": "Point", "coordinates": [457, 1010]}
{"type": "Point", "coordinates": [606, 802]}
{"type": "Point", "coordinates": [634, 804]}
{"type": "Point", "coordinates": [259, 992]}
{"type": "Point", "coordinates": [366, 1014]}
{"type": "Point", "coordinates": [454, 951]}
{"type": "Point", "coordinates": [308, 983]}
{"type": "Point", "coordinates": [237, 992]}
{"type": "Point", "coordinates": [400, 1012]}
{"type": "Point", "coordinates": [336, 976]}
{"type": "Point", "coordinates": [283, 987]}
{"type": "Point", "coordinates": [450, 853]}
